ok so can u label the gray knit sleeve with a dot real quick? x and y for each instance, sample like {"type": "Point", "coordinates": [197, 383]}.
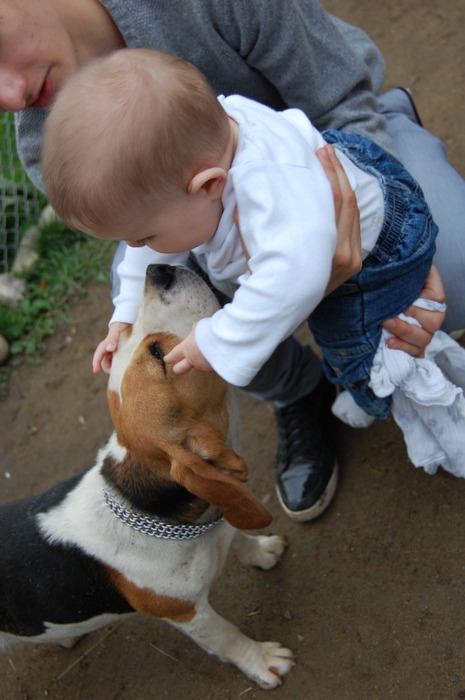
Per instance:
{"type": "Point", "coordinates": [29, 125]}
{"type": "Point", "coordinates": [327, 68]}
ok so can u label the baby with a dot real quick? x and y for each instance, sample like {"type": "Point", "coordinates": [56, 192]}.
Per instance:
{"type": "Point", "coordinates": [138, 147]}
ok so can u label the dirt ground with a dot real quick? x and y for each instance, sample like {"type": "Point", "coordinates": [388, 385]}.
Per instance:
{"type": "Point", "coordinates": [371, 596]}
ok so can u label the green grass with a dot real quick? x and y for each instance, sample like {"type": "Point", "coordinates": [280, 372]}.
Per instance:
{"type": "Point", "coordinates": [68, 262]}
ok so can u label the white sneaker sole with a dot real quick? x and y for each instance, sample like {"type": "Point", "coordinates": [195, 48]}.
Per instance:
{"type": "Point", "coordinates": [302, 516]}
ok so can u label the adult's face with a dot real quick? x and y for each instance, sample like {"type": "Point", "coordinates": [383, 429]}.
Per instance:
{"type": "Point", "coordinates": [37, 54]}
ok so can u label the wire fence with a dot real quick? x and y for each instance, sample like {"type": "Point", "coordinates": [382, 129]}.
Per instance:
{"type": "Point", "coordinates": [21, 202]}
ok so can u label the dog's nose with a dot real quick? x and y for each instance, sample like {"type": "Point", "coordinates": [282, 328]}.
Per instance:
{"type": "Point", "coordinates": [162, 276]}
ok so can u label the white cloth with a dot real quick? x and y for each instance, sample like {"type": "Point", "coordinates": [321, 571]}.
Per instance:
{"type": "Point", "coordinates": [428, 401]}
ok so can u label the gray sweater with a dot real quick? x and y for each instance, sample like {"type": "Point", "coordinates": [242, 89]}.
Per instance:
{"type": "Point", "coordinates": [284, 53]}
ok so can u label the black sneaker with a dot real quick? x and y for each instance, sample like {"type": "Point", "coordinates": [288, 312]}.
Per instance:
{"type": "Point", "coordinates": [306, 469]}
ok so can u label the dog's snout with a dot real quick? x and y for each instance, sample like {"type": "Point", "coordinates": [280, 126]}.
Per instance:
{"type": "Point", "coordinates": [162, 276]}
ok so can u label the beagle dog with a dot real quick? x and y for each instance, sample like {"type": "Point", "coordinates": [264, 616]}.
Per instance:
{"type": "Point", "coordinates": [148, 528]}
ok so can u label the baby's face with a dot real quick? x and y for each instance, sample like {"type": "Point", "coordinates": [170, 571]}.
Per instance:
{"type": "Point", "coordinates": [177, 227]}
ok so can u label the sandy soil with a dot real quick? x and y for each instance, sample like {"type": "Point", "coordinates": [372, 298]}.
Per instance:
{"type": "Point", "coordinates": [371, 595]}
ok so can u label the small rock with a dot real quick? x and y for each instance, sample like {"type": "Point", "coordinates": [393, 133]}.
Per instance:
{"type": "Point", "coordinates": [27, 256]}
{"type": "Point", "coordinates": [12, 290]}
{"type": "Point", "coordinates": [4, 350]}
{"type": "Point", "coordinates": [47, 216]}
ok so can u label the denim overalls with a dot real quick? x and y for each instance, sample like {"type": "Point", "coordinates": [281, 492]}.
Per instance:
{"type": "Point", "coordinates": [346, 324]}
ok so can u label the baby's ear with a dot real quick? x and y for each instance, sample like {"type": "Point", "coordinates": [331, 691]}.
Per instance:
{"type": "Point", "coordinates": [210, 182]}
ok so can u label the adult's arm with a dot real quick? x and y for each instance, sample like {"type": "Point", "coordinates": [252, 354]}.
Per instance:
{"type": "Point", "coordinates": [28, 126]}
{"type": "Point", "coordinates": [316, 62]}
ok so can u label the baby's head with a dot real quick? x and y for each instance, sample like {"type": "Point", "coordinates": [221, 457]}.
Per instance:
{"type": "Point", "coordinates": [127, 133]}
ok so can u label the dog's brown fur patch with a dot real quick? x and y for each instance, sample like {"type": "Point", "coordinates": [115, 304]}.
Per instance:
{"type": "Point", "coordinates": [146, 601]}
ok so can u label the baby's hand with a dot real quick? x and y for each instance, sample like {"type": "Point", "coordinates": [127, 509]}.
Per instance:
{"type": "Point", "coordinates": [104, 352]}
{"type": "Point", "coordinates": [187, 355]}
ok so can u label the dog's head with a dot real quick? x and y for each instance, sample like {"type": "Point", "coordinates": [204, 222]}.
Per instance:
{"type": "Point", "coordinates": [178, 424]}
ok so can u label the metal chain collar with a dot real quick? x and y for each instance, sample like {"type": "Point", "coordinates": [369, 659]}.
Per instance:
{"type": "Point", "coordinates": [157, 528]}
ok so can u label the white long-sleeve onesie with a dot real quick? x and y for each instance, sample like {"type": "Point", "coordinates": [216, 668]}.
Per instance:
{"type": "Point", "coordinates": [287, 225]}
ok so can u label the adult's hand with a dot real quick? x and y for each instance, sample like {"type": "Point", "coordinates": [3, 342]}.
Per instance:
{"type": "Point", "coordinates": [412, 339]}
{"type": "Point", "coordinates": [347, 259]}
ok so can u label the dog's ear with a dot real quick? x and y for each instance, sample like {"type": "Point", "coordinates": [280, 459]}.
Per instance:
{"type": "Point", "coordinates": [238, 505]}
{"type": "Point", "coordinates": [208, 443]}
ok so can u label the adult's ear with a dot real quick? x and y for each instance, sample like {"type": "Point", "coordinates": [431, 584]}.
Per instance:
{"type": "Point", "coordinates": [210, 182]}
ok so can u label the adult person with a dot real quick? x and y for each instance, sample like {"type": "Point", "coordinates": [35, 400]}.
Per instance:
{"type": "Point", "coordinates": [283, 53]}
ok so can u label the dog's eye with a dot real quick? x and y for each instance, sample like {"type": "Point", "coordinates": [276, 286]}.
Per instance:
{"type": "Point", "coordinates": [156, 351]}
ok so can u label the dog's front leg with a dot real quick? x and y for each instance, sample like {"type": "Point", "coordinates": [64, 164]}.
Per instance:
{"type": "Point", "coordinates": [263, 551]}
{"type": "Point", "coordinates": [263, 662]}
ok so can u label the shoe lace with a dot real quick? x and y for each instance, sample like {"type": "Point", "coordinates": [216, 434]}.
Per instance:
{"type": "Point", "coordinates": [306, 427]}
{"type": "Point", "coordinates": [299, 431]}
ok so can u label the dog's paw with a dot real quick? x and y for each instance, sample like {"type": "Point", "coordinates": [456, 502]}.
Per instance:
{"type": "Point", "coordinates": [269, 550]}
{"type": "Point", "coordinates": [269, 663]}
{"type": "Point", "coordinates": [263, 551]}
